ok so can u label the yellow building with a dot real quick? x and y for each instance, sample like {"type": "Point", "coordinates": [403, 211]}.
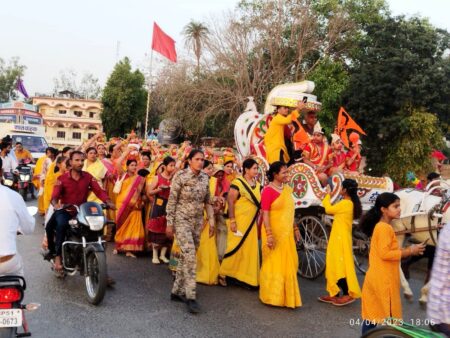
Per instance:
{"type": "Point", "coordinates": [69, 120]}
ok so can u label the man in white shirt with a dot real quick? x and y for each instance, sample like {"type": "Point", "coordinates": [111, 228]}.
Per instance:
{"type": "Point", "coordinates": [8, 163]}
{"type": "Point", "coordinates": [14, 218]}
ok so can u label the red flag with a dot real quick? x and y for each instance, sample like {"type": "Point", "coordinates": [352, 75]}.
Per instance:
{"type": "Point", "coordinates": [345, 122]}
{"type": "Point", "coordinates": [163, 44]}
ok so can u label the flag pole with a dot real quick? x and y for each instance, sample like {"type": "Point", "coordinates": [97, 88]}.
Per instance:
{"type": "Point", "coordinates": [148, 96]}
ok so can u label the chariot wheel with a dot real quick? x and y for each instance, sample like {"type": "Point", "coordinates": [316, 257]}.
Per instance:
{"type": "Point", "coordinates": [312, 247]}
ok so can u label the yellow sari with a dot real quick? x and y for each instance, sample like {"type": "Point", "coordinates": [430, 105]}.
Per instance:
{"type": "Point", "coordinates": [98, 170]}
{"type": "Point", "coordinates": [207, 258]}
{"type": "Point", "coordinates": [242, 262]}
{"type": "Point", "coordinates": [130, 233]}
{"type": "Point", "coordinates": [278, 276]}
{"type": "Point", "coordinates": [37, 183]}
{"type": "Point", "coordinates": [50, 181]}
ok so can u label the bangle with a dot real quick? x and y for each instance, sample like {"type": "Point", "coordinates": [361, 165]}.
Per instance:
{"type": "Point", "coordinates": [232, 219]}
{"type": "Point", "coordinates": [233, 222]}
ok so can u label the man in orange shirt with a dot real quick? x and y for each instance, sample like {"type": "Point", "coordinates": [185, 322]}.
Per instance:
{"type": "Point", "coordinates": [22, 153]}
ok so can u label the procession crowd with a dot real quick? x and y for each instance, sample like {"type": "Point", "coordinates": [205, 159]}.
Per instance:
{"type": "Point", "coordinates": [203, 212]}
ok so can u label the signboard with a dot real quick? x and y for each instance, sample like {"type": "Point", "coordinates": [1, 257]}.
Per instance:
{"type": "Point", "coordinates": [24, 128]}
{"type": "Point", "coordinates": [8, 118]}
{"type": "Point", "coordinates": [18, 105]}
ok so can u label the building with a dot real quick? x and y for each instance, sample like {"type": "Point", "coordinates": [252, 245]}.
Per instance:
{"type": "Point", "coordinates": [69, 120]}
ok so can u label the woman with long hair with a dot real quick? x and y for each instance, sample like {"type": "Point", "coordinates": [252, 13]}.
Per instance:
{"type": "Point", "coordinates": [207, 257]}
{"type": "Point", "coordinates": [340, 269]}
{"type": "Point", "coordinates": [278, 283]}
{"type": "Point", "coordinates": [241, 259]}
{"type": "Point", "coordinates": [96, 168]}
{"type": "Point", "coordinates": [381, 289]}
{"type": "Point", "coordinates": [130, 233]}
{"type": "Point", "coordinates": [159, 191]}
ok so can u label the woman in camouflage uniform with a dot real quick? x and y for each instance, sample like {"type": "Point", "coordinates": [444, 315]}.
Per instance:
{"type": "Point", "coordinates": [189, 196]}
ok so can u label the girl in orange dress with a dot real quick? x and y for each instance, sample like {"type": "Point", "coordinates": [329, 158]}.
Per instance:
{"type": "Point", "coordinates": [381, 289]}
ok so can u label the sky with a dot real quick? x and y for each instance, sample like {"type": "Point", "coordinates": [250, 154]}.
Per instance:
{"type": "Point", "coordinates": [51, 36]}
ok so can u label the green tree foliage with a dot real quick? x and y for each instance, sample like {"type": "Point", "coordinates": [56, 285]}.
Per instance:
{"type": "Point", "coordinates": [124, 99]}
{"type": "Point", "coordinates": [331, 80]}
{"type": "Point", "coordinates": [9, 73]}
{"type": "Point", "coordinates": [417, 136]}
{"type": "Point", "coordinates": [397, 66]}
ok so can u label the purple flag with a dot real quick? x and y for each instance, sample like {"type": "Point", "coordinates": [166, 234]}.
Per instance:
{"type": "Point", "coordinates": [21, 88]}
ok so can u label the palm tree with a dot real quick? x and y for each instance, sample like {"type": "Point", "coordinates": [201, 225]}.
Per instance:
{"type": "Point", "coordinates": [196, 34]}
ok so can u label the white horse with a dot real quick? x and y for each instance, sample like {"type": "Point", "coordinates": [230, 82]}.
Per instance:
{"type": "Point", "coordinates": [422, 213]}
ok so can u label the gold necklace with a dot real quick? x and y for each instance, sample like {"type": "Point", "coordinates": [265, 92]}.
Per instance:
{"type": "Point", "coordinates": [277, 187]}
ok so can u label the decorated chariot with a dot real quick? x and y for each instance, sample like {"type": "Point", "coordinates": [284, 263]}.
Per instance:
{"type": "Point", "coordinates": [308, 192]}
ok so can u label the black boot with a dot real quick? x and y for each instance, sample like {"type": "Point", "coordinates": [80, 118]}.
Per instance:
{"type": "Point", "coordinates": [192, 306]}
{"type": "Point", "coordinates": [177, 298]}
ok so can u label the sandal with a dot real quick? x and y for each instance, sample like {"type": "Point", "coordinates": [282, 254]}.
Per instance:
{"type": "Point", "coordinates": [129, 254]}
{"type": "Point", "coordinates": [115, 252]}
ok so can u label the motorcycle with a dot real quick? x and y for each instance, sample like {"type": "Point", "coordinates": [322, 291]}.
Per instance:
{"type": "Point", "coordinates": [24, 176]}
{"type": "Point", "coordinates": [83, 250]}
{"type": "Point", "coordinates": [12, 315]}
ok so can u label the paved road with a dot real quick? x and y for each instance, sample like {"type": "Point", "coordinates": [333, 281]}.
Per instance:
{"type": "Point", "coordinates": [139, 305]}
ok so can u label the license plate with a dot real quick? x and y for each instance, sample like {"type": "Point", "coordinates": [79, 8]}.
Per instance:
{"type": "Point", "coordinates": [10, 318]}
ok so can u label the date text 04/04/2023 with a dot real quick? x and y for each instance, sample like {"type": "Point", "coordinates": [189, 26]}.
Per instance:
{"type": "Point", "coordinates": [392, 321]}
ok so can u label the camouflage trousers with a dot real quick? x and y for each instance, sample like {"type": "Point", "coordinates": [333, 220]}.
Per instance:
{"type": "Point", "coordinates": [188, 238]}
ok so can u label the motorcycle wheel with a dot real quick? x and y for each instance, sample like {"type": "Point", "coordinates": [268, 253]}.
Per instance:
{"type": "Point", "coordinates": [23, 193]}
{"type": "Point", "coordinates": [8, 332]}
{"type": "Point", "coordinates": [96, 280]}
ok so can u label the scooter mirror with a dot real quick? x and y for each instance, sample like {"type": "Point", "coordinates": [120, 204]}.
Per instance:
{"type": "Point", "coordinates": [32, 210]}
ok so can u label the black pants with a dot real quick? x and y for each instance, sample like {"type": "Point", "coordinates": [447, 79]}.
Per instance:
{"type": "Point", "coordinates": [56, 231]}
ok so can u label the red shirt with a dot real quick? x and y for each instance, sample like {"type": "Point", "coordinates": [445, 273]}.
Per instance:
{"type": "Point", "coordinates": [70, 191]}
{"type": "Point", "coordinates": [355, 165]}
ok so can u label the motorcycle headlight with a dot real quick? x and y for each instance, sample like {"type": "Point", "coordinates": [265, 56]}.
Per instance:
{"type": "Point", "coordinates": [24, 177]}
{"type": "Point", "coordinates": [95, 222]}
{"type": "Point", "coordinates": [8, 182]}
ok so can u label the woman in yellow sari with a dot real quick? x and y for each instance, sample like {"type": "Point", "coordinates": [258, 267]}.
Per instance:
{"type": "Point", "coordinates": [97, 169]}
{"type": "Point", "coordinates": [207, 258]}
{"type": "Point", "coordinates": [278, 276]}
{"type": "Point", "coordinates": [37, 183]}
{"type": "Point", "coordinates": [130, 233]}
{"type": "Point", "coordinates": [241, 259]}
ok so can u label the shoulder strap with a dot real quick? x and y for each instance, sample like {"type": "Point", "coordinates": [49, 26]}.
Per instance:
{"type": "Point", "coordinates": [252, 195]}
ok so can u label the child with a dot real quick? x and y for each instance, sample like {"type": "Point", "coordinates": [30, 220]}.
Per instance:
{"type": "Point", "coordinates": [381, 289]}
{"type": "Point", "coordinates": [340, 269]}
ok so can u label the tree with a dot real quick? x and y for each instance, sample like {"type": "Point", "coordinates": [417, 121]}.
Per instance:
{"type": "Point", "coordinates": [9, 73]}
{"type": "Point", "coordinates": [331, 80]}
{"type": "Point", "coordinates": [87, 87]}
{"type": "Point", "coordinates": [405, 155]}
{"type": "Point", "coordinates": [394, 74]}
{"type": "Point", "coordinates": [124, 99]}
{"type": "Point", "coordinates": [196, 34]}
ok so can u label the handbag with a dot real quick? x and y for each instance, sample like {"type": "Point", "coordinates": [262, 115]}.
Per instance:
{"type": "Point", "coordinates": [118, 184]}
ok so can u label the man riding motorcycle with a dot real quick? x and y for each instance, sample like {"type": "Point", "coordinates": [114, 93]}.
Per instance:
{"type": "Point", "coordinates": [15, 218]}
{"type": "Point", "coordinates": [71, 188]}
